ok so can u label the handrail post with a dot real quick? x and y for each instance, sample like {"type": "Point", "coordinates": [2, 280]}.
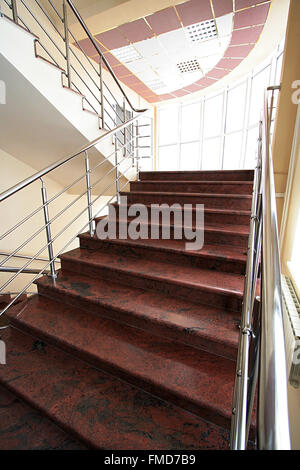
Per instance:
{"type": "Point", "coordinates": [48, 231]}
{"type": "Point", "coordinates": [124, 120]}
{"type": "Point", "coordinates": [88, 193]}
{"type": "Point", "coordinates": [67, 43]}
{"type": "Point", "coordinates": [101, 93]}
{"type": "Point", "coordinates": [117, 171]}
{"type": "Point", "coordinates": [14, 10]}
{"type": "Point", "coordinates": [137, 151]}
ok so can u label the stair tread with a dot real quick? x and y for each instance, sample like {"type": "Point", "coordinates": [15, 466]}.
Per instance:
{"type": "Point", "coordinates": [211, 324]}
{"type": "Point", "coordinates": [101, 410]}
{"type": "Point", "coordinates": [195, 378]}
{"type": "Point", "coordinates": [224, 228]}
{"type": "Point", "coordinates": [24, 428]}
{"type": "Point", "coordinates": [180, 194]}
{"type": "Point", "coordinates": [210, 210]}
{"type": "Point", "coordinates": [221, 282]}
{"type": "Point", "coordinates": [220, 251]}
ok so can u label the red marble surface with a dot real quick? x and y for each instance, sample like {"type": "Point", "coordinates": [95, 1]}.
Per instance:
{"type": "Point", "coordinates": [219, 289]}
{"type": "Point", "coordinates": [211, 201]}
{"type": "Point", "coordinates": [204, 327]}
{"type": "Point", "coordinates": [187, 377]}
{"type": "Point", "coordinates": [219, 175]}
{"type": "Point", "coordinates": [216, 187]}
{"type": "Point", "coordinates": [23, 428]}
{"type": "Point", "coordinates": [99, 409]}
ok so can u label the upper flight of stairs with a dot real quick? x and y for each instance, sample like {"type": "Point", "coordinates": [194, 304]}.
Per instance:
{"type": "Point", "coordinates": [134, 345]}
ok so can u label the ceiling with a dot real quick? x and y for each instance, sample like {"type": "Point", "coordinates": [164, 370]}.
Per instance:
{"type": "Point", "coordinates": [184, 48]}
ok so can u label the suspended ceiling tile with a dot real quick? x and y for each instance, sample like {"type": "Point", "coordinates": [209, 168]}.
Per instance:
{"type": "Point", "coordinates": [194, 11]}
{"type": "Point", "coordinates": [229, 64]}
{"type": "Point", "coordinates": [112, 39]}
{"type": "Point", "coordinates": [111, 59]}
{"type": "Point", "coordinates": [238, 51]}
{"type": "Point", "coordinates": [217, 73]}
{"type": "Point", "coordinates": [122, 71]}
{"type": "Point", "coordinates": [205, 82]}
{"type": "Point", "coordinates": [174, 41]}
{"type": "Point", "coordinates": [246, 36]}
{"type": "Point", "coordinates": [136, 31]}
{"type": "Point", "coordinates": [149, 48]}
{"type": "Point", "coordinates": [246, 3]}
{"type": "Point", "coordinates": [222, 7]}
{"type": "Point", "coordinates": [167, 96]}
{"type": "Point", "coordinates": [225, 25]}
{"type": "Point", "coordinates": [138, 66]}
{"type": "Point", "coordinates": [180, 93]}
{"type": "Point", "coordinates": [192, 88]}
{"type": "Point", "coordinates": [153, 99]}
{"type": "Point", "coordinates": [88, 47]}
{"type": "Point", "coordinates": [131, 81]}
{"type": "Point", "coordinates": [252, 16]}
{"type": "Point", "coordinates": [164, 21]}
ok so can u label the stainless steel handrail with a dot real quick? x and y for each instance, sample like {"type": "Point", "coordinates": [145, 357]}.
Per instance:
{"type": "Point", "coordinates": [261, 344]}
{"type": "Point", "coordinates": [89, 35]}
{"type": "Point", "coordinates": [273, 421]}
{"type": "Point", "coordinates": [59, 163]}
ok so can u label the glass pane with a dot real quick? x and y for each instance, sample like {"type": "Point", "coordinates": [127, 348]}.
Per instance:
{"type": "Point", "coordinates": [211, 154]}
{"type": "Point", "coordinates": [259, 84]}
{"type": "Point", "coordinates": [190, 122]}
{"type": "Point", "coordinates": [168, 158]}
{"type": "Point", "coordinates": [232, 151]}
{"type": "Point", "coordinates": [168, 125]}
{"type": "Point", "coordinates": [213, 113]}
{"type": "Point", "coordinates": [251, 148]}
{"type": "Point", "coordinates": [236, 108]}
{"type": "Point", "coordinates": [189, 157]}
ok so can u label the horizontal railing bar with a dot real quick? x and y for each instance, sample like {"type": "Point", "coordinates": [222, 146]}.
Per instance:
{"type": "Point", "coordinates": [23, 257]}
{"type": "Point", "coordinates": [42, 28]}
{"type": "Point", "coordinates": [48, 53]}
{"type": "Point", "coordinates": [10, 269]}
{"type": "Point", "coordinates": [61, 162]}
{"type": "Point", "coordinates": [50, 20]}
{"type": "Point", "coordinates": [88, 74]}
{"type": "Point", "coordinates": [84, 53]}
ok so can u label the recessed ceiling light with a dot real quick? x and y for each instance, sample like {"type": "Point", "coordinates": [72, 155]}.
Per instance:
{"type": "Point", "coordinates": [188, 66]}
{"type": "Point", "coordinates": [126, 54]}
{"type": "Point", "coordinates": [200, 32]}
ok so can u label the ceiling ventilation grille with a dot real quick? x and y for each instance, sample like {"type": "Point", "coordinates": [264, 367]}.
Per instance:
{"type": "Point", "coordinates": [126, 54]}
{"type": "Point", "coordinates": [189, 66]}
{"type": "Point", "coordinates": [200, 32]}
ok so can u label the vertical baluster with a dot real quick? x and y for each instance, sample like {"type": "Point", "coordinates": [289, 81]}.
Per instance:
{"type": "Point", "coordinates": [48, 230]}
{"type": "Point", "coordinates": [67, 43]}
{"type": "Point", "coordinates": [124, 120]}
{"type": "Point", "coordinates": [101, 93]}
{"type": "Point", "coordinates": [14, 10]}
{"type": "Point", "coordinates": [137, 156]}
{"type": "Point", "coordinates": [89, 194]}
{"type": "Point", "coordinates": [117, 171]}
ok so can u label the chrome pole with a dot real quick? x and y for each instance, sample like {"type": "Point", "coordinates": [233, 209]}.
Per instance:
{"type": "Point", "coordinates": [88, 193]}
{"type": "Point", "coordinates": [48, 231]}
{"type": "Point", "coordinates": [67, 42]}
{"type": "Point", "coordinates": [137, 152]}
{"type": "Point", "coordinates": [101, 93]}
{"type": "Point", "coordinates": [124, 120]}
{"type": "Point", "coordinates": [14, 10]}
{"type": "Point", "coordinates": [117, 171]}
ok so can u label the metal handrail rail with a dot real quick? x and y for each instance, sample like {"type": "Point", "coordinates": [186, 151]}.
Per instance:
{"type": "Point", "coordinates": [273, 422]}
{"type": "Point", "coordinates": [62, 161]}
{"type": "Point", "coordinates": [89, 35]}
{"type": "Point", "coordinates": [261, 348]}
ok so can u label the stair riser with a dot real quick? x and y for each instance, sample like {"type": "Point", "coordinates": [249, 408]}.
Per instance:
{"type": "Point", "coordinates": [198, 176]}
{"type": "Point", "coordinates": [210, 202]}
{"type": "Point", "coordinates": [211, 188]}
{"type": "Point", "coordinates": [211, 237]}
{"type": "Point", "coordinates": [225, 265]}
{"type": "Point", "coordinates": [169, 395]}
{"type": "Point", "coordinates": [194, 294]}
{"type": "Point", "coordinates": [171, 332]}
{"type": "Point", "coordinates": [209, 218]}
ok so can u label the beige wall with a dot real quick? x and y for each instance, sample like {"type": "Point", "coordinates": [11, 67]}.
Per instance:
{"type": "Point", "coordinates": [25, 202]}
{"type": "Point", "coordinates": [286, 111]}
